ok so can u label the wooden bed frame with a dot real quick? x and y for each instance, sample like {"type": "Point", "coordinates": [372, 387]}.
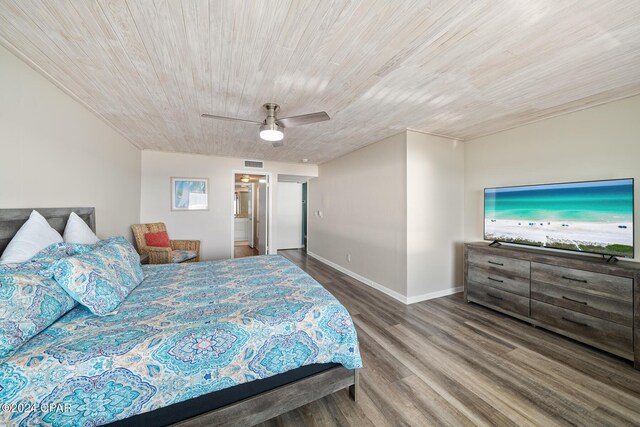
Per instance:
{"type": "Point", "coordinates": [249, 411]}
{"type": "Point", "coordinates": [272, 403]}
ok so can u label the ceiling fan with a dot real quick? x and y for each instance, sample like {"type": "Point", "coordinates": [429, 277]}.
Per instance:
{"type": "Point", "coordinates": [272, 127]}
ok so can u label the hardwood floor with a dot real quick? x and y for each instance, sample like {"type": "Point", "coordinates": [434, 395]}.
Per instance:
{"type": "Point", "coordinates": [445, 362]}
{"type": "Point", "coordinates": [240, 251]}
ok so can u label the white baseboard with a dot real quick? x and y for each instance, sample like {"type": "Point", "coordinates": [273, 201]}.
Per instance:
{"type": "Point", "coordinates": [432, 295]}
{"type": "Point", "coordinates": [393, 294]}
{"type": "Point", "coordinates": [368, 282]}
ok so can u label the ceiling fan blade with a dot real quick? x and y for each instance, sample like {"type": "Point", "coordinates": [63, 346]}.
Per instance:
{"type": "Point", "coordinates": [305, 119]}
{"type": "Point", "coordinates": [277, 144]}
{"type": "Point", "coordinates": [211, 116]}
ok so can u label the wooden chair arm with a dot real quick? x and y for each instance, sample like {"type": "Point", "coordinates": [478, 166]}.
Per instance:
{"type": "Point", "coordinates": [158, 255]}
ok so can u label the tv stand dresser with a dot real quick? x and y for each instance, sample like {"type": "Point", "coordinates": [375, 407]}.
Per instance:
{"type": "Point", "coordinates": [581, 297]}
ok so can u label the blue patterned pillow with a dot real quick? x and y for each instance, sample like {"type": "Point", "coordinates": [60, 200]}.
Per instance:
{"type": "Point", "coordinates": [101, 279]}
{"type": "Point", "coordinates": [30, 300]}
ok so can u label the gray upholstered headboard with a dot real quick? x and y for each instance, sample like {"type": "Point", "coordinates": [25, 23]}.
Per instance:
{"type": "Point", "coordinates": [12, 219]}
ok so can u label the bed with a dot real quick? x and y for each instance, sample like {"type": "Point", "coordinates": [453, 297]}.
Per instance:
{"type": "Point", "coordinates": [214, 343]}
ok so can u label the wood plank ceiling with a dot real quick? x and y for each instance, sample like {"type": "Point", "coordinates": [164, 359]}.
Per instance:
{"type": "Point", "coordinates": [462, 68]}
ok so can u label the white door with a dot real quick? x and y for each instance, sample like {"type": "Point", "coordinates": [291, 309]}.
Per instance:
{"type": "Point", "coordinates": [263, 217]}
{"type": "Point", "coordinates": [288, 215]}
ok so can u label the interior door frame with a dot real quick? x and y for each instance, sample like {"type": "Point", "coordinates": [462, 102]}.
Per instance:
{"type": "Point", "coordinates": [263, 235]}
{"type": "Point", "coordinates": [252, 237]}
{"type": "Point", "coordinates": [305, 241]}
{"type": "Point", "coordinates": [269, 176]}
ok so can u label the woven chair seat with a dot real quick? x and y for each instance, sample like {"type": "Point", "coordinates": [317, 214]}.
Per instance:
{"type": "Point", "coordinates": [180, 250]}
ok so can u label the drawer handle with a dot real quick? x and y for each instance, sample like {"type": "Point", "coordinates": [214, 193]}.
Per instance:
{"type": "Point", "coordinates": [575, 280]}
{"type": "Point", "coordinates": [495, 280]}
{"type": "Point", "coordinates": [574, 322]}
{"type": "Point", "coordinates": [574, 300]}
{"type": "Point", "coordinates": [496, 263]}
{"type": "Point", "coordinates": [494, 296]}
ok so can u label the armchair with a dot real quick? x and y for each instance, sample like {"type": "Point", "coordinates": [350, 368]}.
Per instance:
{"type": "Point", "coordinates": [180, 250]}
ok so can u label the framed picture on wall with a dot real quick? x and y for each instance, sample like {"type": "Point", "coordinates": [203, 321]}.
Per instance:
{"type": "Point", "coordinates": [189, 194]}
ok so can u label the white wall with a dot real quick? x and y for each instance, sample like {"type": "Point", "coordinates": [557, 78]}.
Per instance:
{"type": "Point", "coordinates": [56, 153]}
{"type": "Point", "coordinates": [397, 206]}
{"type": "Point", "coordinates": [215, 226]}
{"type": "Point", "coordinates": [362, 197]}
{"type": "Point", "coordinates": [597, 143]}
{"type": "Point", "coordinates": [435, 215]}
{"type": "Point", "coordinates": [289, 215]}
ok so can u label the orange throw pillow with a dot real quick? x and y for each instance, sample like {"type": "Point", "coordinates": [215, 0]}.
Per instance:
{"type": "Point", "coordinates": [159, 239]}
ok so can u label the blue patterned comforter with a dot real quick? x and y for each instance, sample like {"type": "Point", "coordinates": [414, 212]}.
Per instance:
{"type": "Point", "coordinates": [186, 330]}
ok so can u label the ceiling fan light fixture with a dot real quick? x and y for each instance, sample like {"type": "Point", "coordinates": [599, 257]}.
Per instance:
{"type": "Point", "coordinates": [271, 132]}
{"type": "Point", "coordinates": [272, 127]}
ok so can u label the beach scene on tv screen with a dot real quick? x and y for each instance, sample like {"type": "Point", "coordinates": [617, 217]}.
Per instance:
{"type": "Point", "coordinates": [592, 217]}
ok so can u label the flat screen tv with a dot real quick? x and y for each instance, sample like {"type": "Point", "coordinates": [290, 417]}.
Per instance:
{"type": "Point", "coordinates": [591, 216]}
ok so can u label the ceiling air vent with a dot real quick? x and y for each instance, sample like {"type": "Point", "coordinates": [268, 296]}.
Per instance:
{"type": "Point", "coordinates": [254, 164]}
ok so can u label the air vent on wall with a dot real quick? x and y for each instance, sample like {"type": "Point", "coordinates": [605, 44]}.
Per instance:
{"type": "Point", "coordinates": [255, 164]}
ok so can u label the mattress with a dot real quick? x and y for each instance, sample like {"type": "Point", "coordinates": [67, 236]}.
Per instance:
{"type": "Point", "coordinates": [186, 331]}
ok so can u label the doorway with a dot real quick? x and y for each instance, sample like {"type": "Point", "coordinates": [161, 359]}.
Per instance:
{"type": "Point", "coordinates": [250, 215]}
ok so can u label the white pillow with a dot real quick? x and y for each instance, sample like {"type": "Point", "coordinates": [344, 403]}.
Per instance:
{"type": "Point", "coordinates": [77, 231]}
{"type": "Point", "coordinates": [34, 235]}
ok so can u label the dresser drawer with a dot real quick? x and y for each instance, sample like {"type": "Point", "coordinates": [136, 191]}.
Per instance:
{"type": "Point", "coordinates": [498, 299]}
{"type": "Point", "coordinates": [591, 303]}
{"type": "Point", "coordinates": [619, 288]}
{"type": "Point", "coordinates": [609, 336]}
{"type": "Point", "coordinates": [498, 279]}
{"type": "Point", "coordinates": [498, 263]}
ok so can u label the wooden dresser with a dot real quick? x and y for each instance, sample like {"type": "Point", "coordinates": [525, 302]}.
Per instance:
{"type": "Point", "coordinates": [580, 297]}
